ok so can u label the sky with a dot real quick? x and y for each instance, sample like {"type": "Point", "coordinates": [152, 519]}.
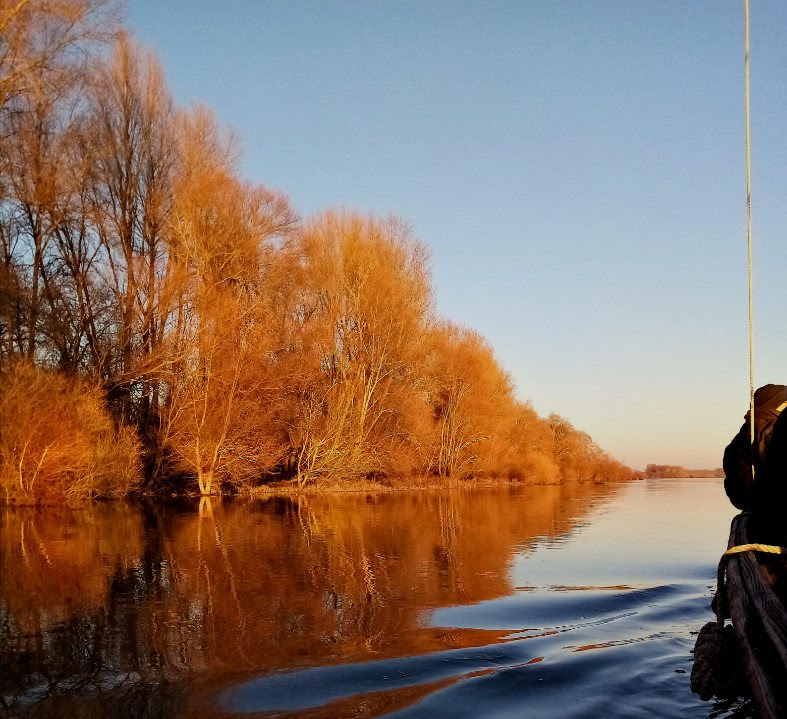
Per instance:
{"type": "Point", "coordinates": [576, 168]}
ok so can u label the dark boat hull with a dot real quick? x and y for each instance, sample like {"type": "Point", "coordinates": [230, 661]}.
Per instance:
{"type": "Point", "coordinates": [759, 618]}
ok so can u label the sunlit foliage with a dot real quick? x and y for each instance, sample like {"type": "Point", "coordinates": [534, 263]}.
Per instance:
{"type": "Point", "coordinates": [57, 439]}
{"type": "Point", "coordinates": [365, 305]}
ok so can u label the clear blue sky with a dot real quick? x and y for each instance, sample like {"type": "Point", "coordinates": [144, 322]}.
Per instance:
{"type": "Point", "coordinates": [576, 167]}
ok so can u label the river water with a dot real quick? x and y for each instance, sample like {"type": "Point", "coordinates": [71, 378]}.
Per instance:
{"type": "Point", "coordinates": [580, 600]}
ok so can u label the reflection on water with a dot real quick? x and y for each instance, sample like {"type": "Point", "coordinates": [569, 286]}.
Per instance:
{"type": "Point", "coordinates": [487, 603]}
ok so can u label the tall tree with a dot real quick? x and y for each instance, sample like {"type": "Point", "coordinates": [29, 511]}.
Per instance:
{"type": "Point", "coordinates": [472, 400]}
{"type": "Point", "coordinates": [217, 420]}
{"type": "Point", "coordinates": [132, 174]}
{"type": "Point", "coordinates": [45, 48]}
{"type": "Point", "coordinates": [365, 309]}
{"type": "Point", "coordinates": [48, 37]}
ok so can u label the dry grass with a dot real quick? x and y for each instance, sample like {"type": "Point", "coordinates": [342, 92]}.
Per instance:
{"type": "Point", "coordinates": [340, 485]}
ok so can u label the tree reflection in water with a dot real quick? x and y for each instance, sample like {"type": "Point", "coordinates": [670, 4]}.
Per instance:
{"type": "Point", "coordinates": [140, 610]}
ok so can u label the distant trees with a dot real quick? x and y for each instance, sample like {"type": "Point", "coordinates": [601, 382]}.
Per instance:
{"type": "Point", "coordinates": [674, 471]}
{"type": "Point", "coordinates": [192, 322]}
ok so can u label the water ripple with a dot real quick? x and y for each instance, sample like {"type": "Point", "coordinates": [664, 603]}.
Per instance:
{"type": "Point", "coordinates": [572, 652]}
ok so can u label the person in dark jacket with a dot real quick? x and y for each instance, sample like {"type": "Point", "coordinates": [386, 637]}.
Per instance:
{"type": "Point", "coordinates": [764, 489]}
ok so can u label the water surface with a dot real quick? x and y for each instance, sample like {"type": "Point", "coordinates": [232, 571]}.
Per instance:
{"type": "Point", "coordinates": [559, 601]}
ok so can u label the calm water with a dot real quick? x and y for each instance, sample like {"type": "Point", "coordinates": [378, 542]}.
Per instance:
{"type": "Point", "coordinates": [572, 601]}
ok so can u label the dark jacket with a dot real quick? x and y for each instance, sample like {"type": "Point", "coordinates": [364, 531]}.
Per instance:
{"type": "Point", "coordinates": [766, 489]}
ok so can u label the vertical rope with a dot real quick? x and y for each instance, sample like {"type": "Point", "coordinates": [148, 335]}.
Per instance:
{"type": "Point", "coordinates": [748, 236]}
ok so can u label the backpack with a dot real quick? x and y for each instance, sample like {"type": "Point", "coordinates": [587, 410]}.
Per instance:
{"type": "Point", "coordinates": [743, 489]}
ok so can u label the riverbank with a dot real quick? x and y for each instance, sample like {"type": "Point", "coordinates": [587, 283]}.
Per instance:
{"type": "Point", "coordinates": [290, 488]}
{"type": "Point", "coordinates": [62, 440]}
{"type": "Point", "coordinates": [411, 484]}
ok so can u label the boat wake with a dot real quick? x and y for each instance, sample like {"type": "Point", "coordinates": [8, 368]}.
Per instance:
{"type": "Point", "coordinates": [621, 651]}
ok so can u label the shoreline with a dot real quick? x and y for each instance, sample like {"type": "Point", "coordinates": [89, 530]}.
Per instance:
{"type": "Point", "coordinates": [290, 489]}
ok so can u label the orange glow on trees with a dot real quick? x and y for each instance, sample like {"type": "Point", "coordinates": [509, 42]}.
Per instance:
{"type": "Point", "coordinates": [147, 285]}
{"type": "Point", "coordinates": [471, 398]}
{"type": "Point", "coordinates": [364, 307]}
{"type": "Point", "coordinates": [57, 439]}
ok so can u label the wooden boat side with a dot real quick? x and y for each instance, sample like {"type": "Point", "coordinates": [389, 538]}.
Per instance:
{"type": "Point", "coordinates": [760, 622]}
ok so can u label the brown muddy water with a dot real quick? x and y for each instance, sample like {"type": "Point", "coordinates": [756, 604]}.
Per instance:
{"type": "Point", "coordinates": [561, 601]}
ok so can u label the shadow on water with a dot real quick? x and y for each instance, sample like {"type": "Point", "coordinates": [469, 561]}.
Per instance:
{"type": "Point", "coordinates": [484, 603]}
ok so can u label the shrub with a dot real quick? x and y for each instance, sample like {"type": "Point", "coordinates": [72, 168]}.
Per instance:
{"type": "Point", "coordinates": [58, 441]}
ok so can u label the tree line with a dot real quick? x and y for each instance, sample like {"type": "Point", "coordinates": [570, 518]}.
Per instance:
{"type": "Point", "coordinates": [165, 322]}
{"type": "Point", "coordinates": [677, 471]}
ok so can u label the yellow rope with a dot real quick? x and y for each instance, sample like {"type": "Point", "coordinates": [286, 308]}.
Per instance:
{"type": "Point", "coordinates": [766, 548]}
{"type": "Point", "coordinates": [720, 602]}
{"type": "Point", "coordinates": [748, 239]}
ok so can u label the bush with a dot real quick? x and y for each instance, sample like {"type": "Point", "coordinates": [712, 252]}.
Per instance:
{"type": "Point", "coordinates": [58, 441]}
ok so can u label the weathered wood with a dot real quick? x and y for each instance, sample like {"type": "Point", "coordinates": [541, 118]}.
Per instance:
{"type": "Point", "coordinates": [769, 606]}
{"type": "Point", "coordinates": [760, 623]}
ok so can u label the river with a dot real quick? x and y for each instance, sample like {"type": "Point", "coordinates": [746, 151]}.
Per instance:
{"type": "Point", "coordinates": [576, 600]}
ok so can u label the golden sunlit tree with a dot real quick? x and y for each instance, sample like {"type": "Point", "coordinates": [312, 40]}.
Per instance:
{"type": "Point", "coordinates": [472, 400]}
{"type": "Point", "coordinates": [532, 439]}
{"type": "Point", "coordinates": [48, 37]}
{"type": "Point", "coordinates": [224, 239]}
{"type": "Point", "coordinates": [364, 311]}
{"type": "Point", "coordinates": [46, 50]}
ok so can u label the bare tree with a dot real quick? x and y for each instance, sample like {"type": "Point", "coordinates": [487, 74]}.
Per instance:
{"type": "Point", "coordinates": [44, 51]}
{"type": "Point", "coordinates": [47, 37]}
{"type": "Point", "coordinates": [132, 184]}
